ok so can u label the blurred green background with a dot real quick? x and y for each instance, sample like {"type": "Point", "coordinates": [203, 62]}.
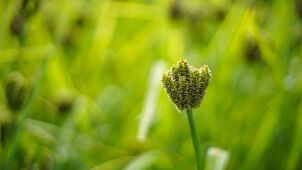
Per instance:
{"type": "Point", "coordinates": [80, 83]}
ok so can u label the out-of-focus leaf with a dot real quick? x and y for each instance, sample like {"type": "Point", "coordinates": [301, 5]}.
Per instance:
{"type": "Point", "coordinates": [143, 161]}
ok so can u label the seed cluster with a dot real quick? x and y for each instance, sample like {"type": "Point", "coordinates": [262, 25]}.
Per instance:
{"type": "Point", "coordinates": [186, 85]}
{"type": "Point", "coordinates": [16, 90]}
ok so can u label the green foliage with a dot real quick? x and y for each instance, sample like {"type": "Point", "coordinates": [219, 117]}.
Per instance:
{"type": "Point", "coordinates": [101, 52]}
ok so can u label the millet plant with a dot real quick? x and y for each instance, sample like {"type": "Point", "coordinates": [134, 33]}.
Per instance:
{"type": "Point", "coordinates": [186, 88]}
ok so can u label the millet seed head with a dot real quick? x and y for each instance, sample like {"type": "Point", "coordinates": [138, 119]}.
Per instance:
{"type": "Point", "coordinates": [16, 90]}
{"type": "Point", "coordinates": [186, 85]}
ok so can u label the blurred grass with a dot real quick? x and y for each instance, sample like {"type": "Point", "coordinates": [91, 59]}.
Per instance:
{"type": "Point", "coordinates": [95, 60]}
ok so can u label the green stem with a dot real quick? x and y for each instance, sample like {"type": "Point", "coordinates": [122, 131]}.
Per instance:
{"type": "Point", "coordinates": [194, 139]}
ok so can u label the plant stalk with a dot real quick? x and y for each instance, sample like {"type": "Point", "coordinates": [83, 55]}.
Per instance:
{"type": "Point", "coordinates": [194, 139]}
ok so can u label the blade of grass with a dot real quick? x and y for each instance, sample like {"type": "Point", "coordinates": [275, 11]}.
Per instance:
{"type": "Point", "coordinates": [150, 100]}
{"type": "Point", "coordinates": [143, 161]}
{"type": "Point", "coordinates": [216, 159]}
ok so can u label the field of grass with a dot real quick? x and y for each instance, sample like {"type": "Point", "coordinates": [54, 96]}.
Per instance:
{"type": "Point", "coordinates": [87, 92]}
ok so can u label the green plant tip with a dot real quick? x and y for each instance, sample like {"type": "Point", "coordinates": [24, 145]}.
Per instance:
{"type": "Point", "coordinates": [16, 90]}
{"type": "Point", "coordinates": [186, 85]}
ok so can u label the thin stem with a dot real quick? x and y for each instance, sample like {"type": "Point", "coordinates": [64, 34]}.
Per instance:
{"type": "Point", "coordinates": [194, 139]}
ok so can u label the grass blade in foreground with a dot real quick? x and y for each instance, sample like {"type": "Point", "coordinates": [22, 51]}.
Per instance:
{"type": "Point", "coordinates": [216, 159]}
{"type": "Point", "coordinates": [186, 87]}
